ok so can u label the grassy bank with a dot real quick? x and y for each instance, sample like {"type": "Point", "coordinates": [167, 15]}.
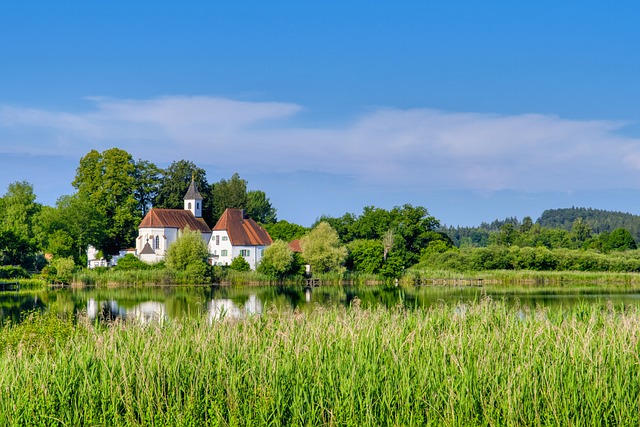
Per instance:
{"type": "Point", "coordinates": [483, 364]}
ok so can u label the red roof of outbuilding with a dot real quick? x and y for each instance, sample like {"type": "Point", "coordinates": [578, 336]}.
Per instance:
{"type": "Point", "coordinates": [294, 245]}
{"type": "Point", "coordinates": [173, 218]}
{"type": "Point", "coordinates": [242, 230]}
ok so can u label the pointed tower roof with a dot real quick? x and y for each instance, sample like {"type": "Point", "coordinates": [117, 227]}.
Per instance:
{"type": "Point", "coordinates": [192, 192]}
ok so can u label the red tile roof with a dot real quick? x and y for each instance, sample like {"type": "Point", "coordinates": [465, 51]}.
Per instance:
{"type": "Point", "coordinates": [173, 218]}
{"type": "Point", "coordinates": [294, 245]}
{"type": "Point", "coordinates": [242, 230]}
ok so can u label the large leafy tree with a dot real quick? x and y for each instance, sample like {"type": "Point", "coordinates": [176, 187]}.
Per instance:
{"type": "Point", "coordinates": [284, 230]}
{"type": "Point", "coordinates": [174, 184]}
{"type": "Point", "coordinates": [69, 228]}
{"type": "Point", "coordinates": [229, 194]}
{"type": "Point", "coordinates": [259, 207]}
{"type": "Point", "coordinates": [322, 249]}
{"type": "Point", "coordinates": [408, 229]}
{"type": "Point", "coordinates": [107, 180]}
{"type": "Point", "coordinates": [18, 210]}
{"type": "Point", "coordinates": [147, 176]}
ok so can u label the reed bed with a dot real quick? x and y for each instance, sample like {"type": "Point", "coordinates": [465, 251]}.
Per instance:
{"type": "Point", "coordinates": [482, 364]}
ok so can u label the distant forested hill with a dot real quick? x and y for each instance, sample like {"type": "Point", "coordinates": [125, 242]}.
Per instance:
{"type": "Point", "coordinates": [599, 220]}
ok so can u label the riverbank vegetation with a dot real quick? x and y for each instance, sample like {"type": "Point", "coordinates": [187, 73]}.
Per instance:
{"type": "Point", "coordinates": [477, 364]}
{"type": "Point", "coordinates": [113, 192]}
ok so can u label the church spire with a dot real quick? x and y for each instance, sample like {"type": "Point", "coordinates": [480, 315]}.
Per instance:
{"type": "Point", "coordinates": [193, 199]}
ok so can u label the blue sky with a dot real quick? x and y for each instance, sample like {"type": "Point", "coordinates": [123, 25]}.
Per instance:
{"type": "Point", "coordinates": [475, 110]}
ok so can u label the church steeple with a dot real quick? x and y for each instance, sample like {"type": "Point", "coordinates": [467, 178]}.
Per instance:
{"type": "Point", "coordinates": [193, 199]}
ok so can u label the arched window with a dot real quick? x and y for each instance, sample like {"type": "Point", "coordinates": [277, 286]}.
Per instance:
{"type": "Point", "coordinates": [157, 242]}
{"type": "Point", "coordinates": [189, 205]}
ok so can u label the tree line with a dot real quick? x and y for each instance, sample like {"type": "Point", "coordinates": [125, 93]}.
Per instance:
{"type": "Point", "coordinates": [113, 193]}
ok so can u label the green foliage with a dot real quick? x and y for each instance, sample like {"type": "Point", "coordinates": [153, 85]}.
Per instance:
{"type": "Point", "coordinates": [131, 262]}
{"type": "Point", "coordinates": [108, 182]}
{"type": "Point", "coordinates": [477, 364]}
{"type": "Point", "coordinates": [59, 270]}
{"type": "Point", "coordinates": [147, 178]}
{"type": "Point", "coordinates": [528, 258]}
{"type": "Point", "coordinates": [287, 231]}
{"type": "Point", "coordinates": [366, 256]}
{"type": "Point", "coordinates": [13, 272]}
{"type": "Point", "coordinates": [278, 260]}
{"type": "Point", "coordinates": [239, 264]}
{"type": "Point", "coordinates": [412, 228]}
{"type": "Point", "coordinates": [621, 239]}
{"type": "Point", "coordinates": [259, 208]}
{"type": "Point", "coordinates": [15, 250]}
{"type": "Point", "coordinates": [321, 248]}
{"type": "Point", "coordinates": [188, 251]}
{"type": "Point", "coordinates": [229, 194]}
{"type": "Point", "coordinates": [174, 184]}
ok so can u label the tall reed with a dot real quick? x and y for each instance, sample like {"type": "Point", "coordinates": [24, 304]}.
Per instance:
{"type": "Point", "coordinates": [479, 364]}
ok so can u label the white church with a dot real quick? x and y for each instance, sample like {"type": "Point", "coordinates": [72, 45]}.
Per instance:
{"type": "Point", "coordinates": [234, 235]}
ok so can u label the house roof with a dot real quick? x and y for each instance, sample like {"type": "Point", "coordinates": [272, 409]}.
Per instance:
{"type": "Point", "coordinates": [242, 230]}
{"type": "Point", "coordinates": [192, 192]}
{"type": "Point", "coordinates": [173, 218]}
{"type": "Point", "coordinates": [294, 245]}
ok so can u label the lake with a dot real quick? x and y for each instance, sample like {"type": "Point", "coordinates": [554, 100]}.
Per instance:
{"type": "Point", "coordinates": [173, 302]}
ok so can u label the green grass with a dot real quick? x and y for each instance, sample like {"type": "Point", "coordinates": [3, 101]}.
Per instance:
{"type": "Point", "coordinates": [478, 364]}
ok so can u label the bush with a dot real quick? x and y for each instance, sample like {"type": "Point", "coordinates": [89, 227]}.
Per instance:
{"type": "Point", "coordinates": [240, 264]}
{"type": "Point", "coordinates": [131, 262]}
{"type": "Point", "coordinates": [13, 272]}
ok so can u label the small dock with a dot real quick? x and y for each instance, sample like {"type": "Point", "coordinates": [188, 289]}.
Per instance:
{"type": "Point", "coordinates": [9, 286]}
{"type": "Point", "coordinates": [313, 283]}
{"type": "Point", "coordinates": [450, 282]}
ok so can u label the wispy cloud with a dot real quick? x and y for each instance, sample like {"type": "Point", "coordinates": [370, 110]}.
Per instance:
{"type": "Point", "coordinates": [404, 148]}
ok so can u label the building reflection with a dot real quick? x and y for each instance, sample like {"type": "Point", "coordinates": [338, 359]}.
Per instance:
{"type": "Point", "coordinates": [145, 312]}
{"type": "Point", "coordinates": [218, 309]}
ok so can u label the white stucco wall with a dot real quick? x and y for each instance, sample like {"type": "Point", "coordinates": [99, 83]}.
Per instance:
{"type": "Point", "coordinates": [220, 242]}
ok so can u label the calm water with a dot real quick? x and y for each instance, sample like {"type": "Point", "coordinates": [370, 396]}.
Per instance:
{"type": "Point", "coordinates": [152, 303]}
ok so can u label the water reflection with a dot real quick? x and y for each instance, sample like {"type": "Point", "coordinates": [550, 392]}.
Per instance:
{"type": "Point", "coordinates": [153, 304]}
{"type": "Point", "coordinates": [222, 308]}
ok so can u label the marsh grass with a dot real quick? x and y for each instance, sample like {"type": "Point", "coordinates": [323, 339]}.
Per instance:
{"type": "Point", "coordinates": [477, 364]}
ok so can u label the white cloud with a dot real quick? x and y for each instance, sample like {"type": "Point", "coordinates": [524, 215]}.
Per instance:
{"type": "Point", "coordinates": [406, 148]}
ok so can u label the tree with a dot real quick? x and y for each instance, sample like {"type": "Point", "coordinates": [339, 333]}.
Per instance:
{"type": "Point", "coordinates": [174, 184]}
{"type": "Point", "coordinates": [147, 176]}
{"type": "Point", "coordinates": [321, 248]}
{"type": "Point", "coordinates": [189, 251]}
{"type": "Point", "coordinates": [259, 207]}
{"type": "Point", "coordinates": [19, 208]}
{"type": "Point", "coordinates": [229, 194]}
{"type": "Point", "coordinates": [621, 239]}
{"type": "Point", "coordinates": [287, 231]}
{"type": "Point", "coordinates": [107, 181]}
{"type": "Point", "coordinates": [366, 256]}
{"type": "Point", "coordinates": [239, 264]}
{"type": "Point", "coordinates": [278, 260]}
{"type": "Point", "coordinates": [69, 228]}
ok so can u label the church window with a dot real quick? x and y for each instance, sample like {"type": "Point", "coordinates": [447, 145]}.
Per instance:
{"type": "Point", "coordinates": [189, 205]}
{"type": "Point", "coordinates": [157, 242]}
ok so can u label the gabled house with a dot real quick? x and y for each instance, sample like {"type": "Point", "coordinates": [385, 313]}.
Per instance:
{"type": "Point", "coordinates": [161, 227]}
{"type": "Point", "coordinates": [236, 234]}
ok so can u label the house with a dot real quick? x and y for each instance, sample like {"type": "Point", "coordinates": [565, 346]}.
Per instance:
{"type": "Point", "coordinates": [161, 227]}
{"type": "Point", "coordinates": [236, 234]}
{"type": "Point", "coordinates": [95, 258]}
